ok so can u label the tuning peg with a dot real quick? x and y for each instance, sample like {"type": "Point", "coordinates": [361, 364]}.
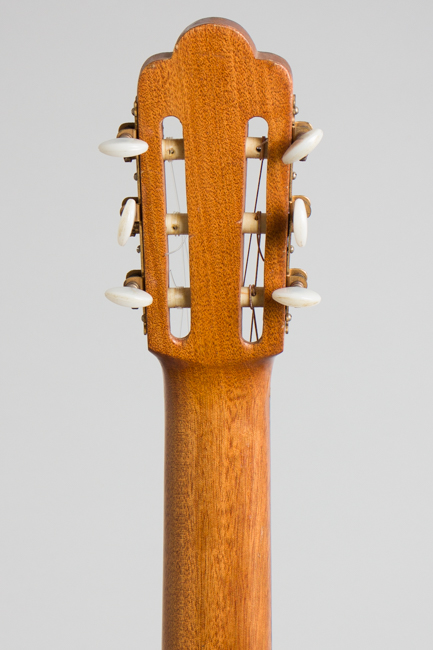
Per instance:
{"type": "Point", "coordinates": [300, 222]}
{"type": "Point", "coordinates": [129, 297]}
{"type": "Point", "coordinates": [127, 220]}
{"type": "Point", "coordinates": [296, 297]}
{"type": "Point", "coordinates": [123, 147]}
{"type": "Point", "coordinates": [302, 146]}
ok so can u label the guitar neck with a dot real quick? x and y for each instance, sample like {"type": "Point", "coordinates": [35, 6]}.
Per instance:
{"type": "Point", "coordinates": [217, 593]}
{"type": "Point", "coordinates": [217, 520]}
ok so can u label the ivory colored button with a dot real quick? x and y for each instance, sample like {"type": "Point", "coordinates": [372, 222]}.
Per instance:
{"type": "Point", "coordinates": [129, 297]}
{"type": "Point", "coordinates": [302, 146]}
{"type": "Point", "coordinates": [296, 297]}
{"type": "Point", "coordinates": [300, 222]}
{"type": "Point", "coordinates": [123, 147]}
{"type": "Point", "coordinates": [127, 221]}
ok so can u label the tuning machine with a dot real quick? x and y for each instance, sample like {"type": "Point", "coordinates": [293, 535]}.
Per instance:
{"type": "Point", "coordinates": [131, 294]}
{"type": "Point", "coordinates": [129, 220]}
{"type": "Point", "coordinates": [125, 145]}
{"type": "Point", "coordinates": [300, 210]}
{"type": "Point", "coordinates": [296, 293]}
{"type": "Point", "coordinates": [304, 140]}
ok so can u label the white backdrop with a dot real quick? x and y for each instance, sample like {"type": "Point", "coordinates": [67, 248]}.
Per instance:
{"type": "Point", "coordinates": [82, 417]}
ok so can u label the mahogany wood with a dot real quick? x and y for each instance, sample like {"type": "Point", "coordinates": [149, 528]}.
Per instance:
{"type": "Point", "coordinates": [214, 82]}
{"type": "Point", "coordinates": [217, 525]}
{"type": "Point", "coordinates": [217, 582]}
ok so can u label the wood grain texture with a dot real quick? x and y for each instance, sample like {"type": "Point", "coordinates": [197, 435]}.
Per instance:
{"type": "Point", "coordinates": [217, 593]}
{"type": "Point", "coordinates": [217, 580]}
{"type": "Point", "coordinates": [214, 82]}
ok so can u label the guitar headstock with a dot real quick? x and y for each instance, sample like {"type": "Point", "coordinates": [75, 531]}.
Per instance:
{"type": "Point", "coordinates": [214, 83]}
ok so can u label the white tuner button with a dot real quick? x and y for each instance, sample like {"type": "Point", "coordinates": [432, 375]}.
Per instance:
{"type": "Point", "coordinates": [296, 297]}
{"type": "Point", "coordinates": [127, 221]}
{"type": "Point", "coordinates": [302, 146]}
{"type": "Point", "coordinates": [123, 147]}
{"type": "Point", "coordinates": [129, 297]}
{"type": "Point", "coordinates": [300, 222]}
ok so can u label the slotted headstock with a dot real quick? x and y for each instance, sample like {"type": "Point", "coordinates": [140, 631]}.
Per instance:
{"type": "Point", "coordinates": [214, 82]}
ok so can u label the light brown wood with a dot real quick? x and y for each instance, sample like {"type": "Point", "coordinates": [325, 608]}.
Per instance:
{"type": "Point", "coordinates": [214, 82]}
{"type": "Point", "coordinates": [217, 589]}
{"type": "Point", "coordinates": [217, 593]}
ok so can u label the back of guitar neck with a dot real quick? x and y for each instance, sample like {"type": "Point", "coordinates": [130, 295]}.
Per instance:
{"type": "Point", "coordinates": [217, 591]}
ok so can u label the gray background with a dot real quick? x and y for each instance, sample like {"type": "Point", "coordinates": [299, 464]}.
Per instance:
{"type": "Point", "coordinates": [82, 419]}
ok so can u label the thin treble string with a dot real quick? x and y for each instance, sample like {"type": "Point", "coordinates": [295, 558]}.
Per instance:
{"type": "Point", "coordinates": [246, 262]}
{"type": "Point", "coordinates": [253, 322]}
{"type": "Point", "coordinates": [253, 316]}
{"type": "Point", "coordinates": [173, 180]}
{"type": "Point", "coordinates": [259, 253]}
{"type": "Point", "coordinates": [255, 210]}
{"type": "Point", "coordinates": [172, 279]}
{"type": "Point", "coordinates": [178, 248]}
{"type": "Point", "coordinates": [185, 252]}
{"type": "Point", "coordinates": [183, 246]}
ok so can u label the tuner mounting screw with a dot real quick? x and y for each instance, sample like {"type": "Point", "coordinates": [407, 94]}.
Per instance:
{"type": "Point", "coordinates": [292, 248]}
{"type": "Point", "coordinates": [294, 176]}
{"type": "Point", "coordinates": [287, 319]}
{"type": "Point", "coordinates": [135, 176]}
{"type": "Point", "coordinates": [138, 249]}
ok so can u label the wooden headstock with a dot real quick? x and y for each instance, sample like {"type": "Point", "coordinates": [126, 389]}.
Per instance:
{"type": "Point", "coordinates": [214, 83]}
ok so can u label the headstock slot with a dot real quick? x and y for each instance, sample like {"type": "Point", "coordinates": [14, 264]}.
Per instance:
{"type": "Point", "coordinates": [176, 204]}
{"type": "Point", "coordinates": [254, 244]}
{"type": "Point", "coordinates": [214, 83]}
